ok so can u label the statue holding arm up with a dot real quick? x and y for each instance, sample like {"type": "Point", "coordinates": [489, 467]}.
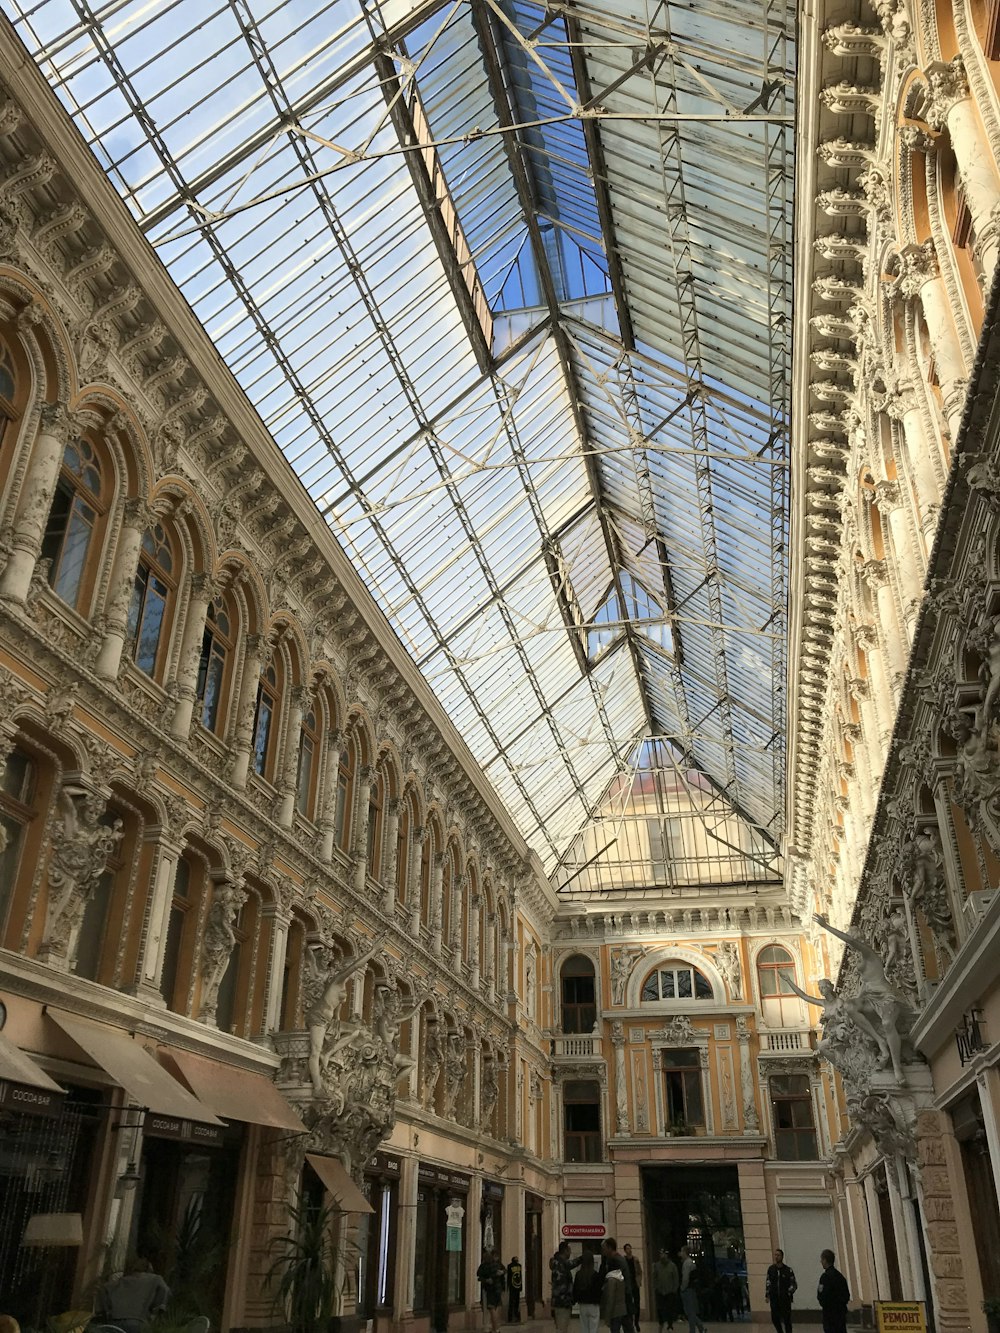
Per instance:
{"type": "Point", "coordinates": [389, 1018]}
{"type": "Point", "coordinates": [329, 984]}
{"type": "Point", "coordinates": [833, 1020]}
{"type": "Point", "coordinates": [878, 1009]}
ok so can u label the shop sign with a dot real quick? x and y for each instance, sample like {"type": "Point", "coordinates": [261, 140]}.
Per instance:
{"type": "Point", "coordinates": [382, 1164]}
{"type": "Point", "coordinates": [584, 1231]}
{"type": "Point", "coordinates": [28, 1100]}
{"type": "Point", "coordinates": [900, 1317]}
{"type": "Point", "coordinates": [191, 1131]}
{"type": "Point", "coordinates": [439, 1175]}
{"type": "Point", "coordinates": [492, 1189]}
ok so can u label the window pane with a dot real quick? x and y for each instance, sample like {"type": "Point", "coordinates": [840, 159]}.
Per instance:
{"type": "Point", "coordinates": [702, 987]}
{"type": "Point", "coordinates": [667, 985]}
{"type": "Point", "coordinates": [305, 774]}
{"type": "Point", "coordinates": [19, 777]}
{"type": "Point", "coordinates": [213, 686]}
{"type": "Point", "coordinates": [262, 733]}
{"type": "Point", "coordinates": [73, 558]}
{"type": "Point", "coordinates": [650, 988]}
{"type": "Point", "coordinates": [135, 604]}
{"type": "Point", "coordinates": [785, 979]}
{"type": "Point", "coordinates": [12, 838]}
{"type": "Point", "coordinates": [684, 991]}
{"type": "Point", "coordinates": [686, 1059]}
{"type": "Point", "coordinates": [154, 611]}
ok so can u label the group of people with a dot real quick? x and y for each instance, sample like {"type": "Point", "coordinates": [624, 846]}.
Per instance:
{"type": "Point", "coordinates": [607, 1288]}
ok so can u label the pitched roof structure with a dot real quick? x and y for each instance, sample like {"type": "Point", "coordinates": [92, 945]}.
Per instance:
{"type": "Point", "coordinates": [509, 283]}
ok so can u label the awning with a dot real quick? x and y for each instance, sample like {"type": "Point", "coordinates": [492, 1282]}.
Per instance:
{"type": "Point", "coordinates": [16, 1067]}
{"type": "Point", "coordinates": [339, 1184]}
{"type": "Point", "coordinates": [134, 1069]}
{"type": "Point", "coordinates": [236, 1094]}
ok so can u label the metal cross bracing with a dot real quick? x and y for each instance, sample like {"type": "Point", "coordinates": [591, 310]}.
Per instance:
{"type": "Point", "coordinates": [425, 238]}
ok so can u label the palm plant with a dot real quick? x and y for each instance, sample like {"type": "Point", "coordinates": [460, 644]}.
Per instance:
{"type": "Point", "coordinates": [302, 1273]}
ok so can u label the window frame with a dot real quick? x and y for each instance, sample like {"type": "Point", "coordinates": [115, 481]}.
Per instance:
{"type": "Point", "coordinates": [268, 706]}
{"type": "Point", "coordinates": [82, 500]}
{"type": "Point", "coordinates": [149, 563]}
{"type": "Point", "coordinates": [310, 742]}
{"type": "Point", "coordinates": [213, 639]}
{"type": "Point", "coordinates": [674, 968]}
{"type": "Point", "coordinates": [679, 1081]}
{"type": "Point", "coordinates": [796, 1132]}
{"type": "Point", "coordinates": [590, 1140]}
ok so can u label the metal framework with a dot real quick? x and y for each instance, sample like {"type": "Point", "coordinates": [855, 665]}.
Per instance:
{"type": "Point", "coordinates": [509, 283]}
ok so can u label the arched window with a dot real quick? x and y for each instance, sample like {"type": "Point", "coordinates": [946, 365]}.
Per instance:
{"type": "Point", "coordinates": [676, 981]}
{"type": "Point", "coordinates": [305, 798]}
{"type": "Point", "coordinates": [403, 835]}
{"type": "Point", "coordinates": [216, 656]}
{"type": "Point", "coordinates": [17, 796]}
{"type": "Point", "coordinates": [78, 507]}
{"type": "Point", "coordinates": [264, 722]}
{"type": "Point", "coordinates": [291, 981]}
{"type": "Point", "coordinates": [775, 973]}
{"type": "Point", "coordinates": [151, 592]}
{"type": "Point", "coordinates": [579, 1001]}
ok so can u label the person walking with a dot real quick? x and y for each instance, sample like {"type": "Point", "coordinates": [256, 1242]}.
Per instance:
{"type": "Point", "coordinates": [779, 1288]}
{"type": "Point", "coordinates": [561, 1268]}
{"type": "Point", "coordinates": [616, 1297]}
{"type": "Point", "coordinates": [515, 1285]}
{"type": "Point", "coordinates": [689, 1292]}
{"type": "Point", "coordinates": [587, 1293]}
{"type": "Point", "coordinates": [490, 1275]}
{"type": "Point", "coordinates": [833, 1294]}
{"type": "Point", "coordinates": [666, 1285]}
{"type": "Point", "coordinates": [633, 1271]}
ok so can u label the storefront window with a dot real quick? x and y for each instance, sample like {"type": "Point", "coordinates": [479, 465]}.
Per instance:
{"type": "Point", "coordinates": [425, 1210]}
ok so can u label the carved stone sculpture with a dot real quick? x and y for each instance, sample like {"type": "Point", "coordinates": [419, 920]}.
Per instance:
{"type": "Point", "coordinates": [454, 1073]}
{"type": "Point", "coordinates": [622, 961]}
{"type": "Point", "coordinates": [81, 846]}
{"type": "Point", "coordinates": [433, 1062]}
{"type": "Point", "coordinates": [879, 1010]}
{"type": "Point", "coordinates": [325, 986]}
{"type": "Point", "coordinates": [489, 1093]}
{"type": "Point", "coordinates": [389, 1018]}
{"type": "Point", "coordinates": [922, 868]}
{"type": "Point", "coordinates": [217, 944]}
{"type": "Point", "coordinates": [728, 959]}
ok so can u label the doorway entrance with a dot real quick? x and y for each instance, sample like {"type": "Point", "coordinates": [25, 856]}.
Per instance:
{"type": "Point", "coordinates": [699, 1206]}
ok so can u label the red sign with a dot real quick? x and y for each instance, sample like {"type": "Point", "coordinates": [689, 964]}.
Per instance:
{"type": "Point", "coordinates": [584, 1231]}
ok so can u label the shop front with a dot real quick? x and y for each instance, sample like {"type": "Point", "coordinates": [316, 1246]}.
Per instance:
{"type": "Point", "coordinates": [441, 1238]}
{"type": "Point", "coordinates": [491, 1219]}
{"type": "Point", "coordinates": [534, 1206]}
{"type": "Point", "coordinates": [376, 1237]}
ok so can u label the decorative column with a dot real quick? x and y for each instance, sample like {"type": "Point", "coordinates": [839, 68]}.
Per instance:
{"type": "Point", "coordinates": [54, 429]}
{"type": "Point", "coordinates": [413, 885]}
{"type": "Point", "coordinates": [363, 803]}
{"type": "Point", "coordinates": [751, 1120]}
{"type": "Point", "coordinates": [906, 549]}
{"type": "Point", "coordinates": [437, 878]}
{"type": "Point", "coordinates": [201, 593]}
{"type": "Point", "coordinates": [288, 785]}
{"type": "Point", "coordinates": [457, 916]}
{"type": "Point", "coordinates": [904, 406]}
{"type": "Point", "coordinates": [920, 276]}
{"type": "Point", "coordinates": [149, 969]}
{"type": "Point", "coordinates": [135, 520]}
{"type": "Point", "coordinates": [952, 107]}
{"type": "Point", "coordinates": [255, 648]}
{"type": "Point", "coordinates": [621, 1084]}
{"type": "Point", "coordinates": [390, 855]}
{"type": "Point", "coordinates": [876, 575]}
{"type": "Point", "coordinates": [280, 916]}
{"type": "Point", "coordinates": [328, 817]}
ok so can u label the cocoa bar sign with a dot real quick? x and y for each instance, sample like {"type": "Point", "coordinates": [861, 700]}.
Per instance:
{"type": "Point", "coordinates": [192, 1131]}
{"type": "Point", "coordinates": [32, 1101]}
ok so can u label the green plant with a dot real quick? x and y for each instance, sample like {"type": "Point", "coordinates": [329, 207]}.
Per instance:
{"type": "Point", "coordinates": [303, 1271]}
{"type": "Point", "coordinates": [679, 1128]}
{"type": "Point", "coordinates": [991, 1309]}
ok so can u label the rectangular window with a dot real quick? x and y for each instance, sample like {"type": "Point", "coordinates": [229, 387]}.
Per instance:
{"type": "Point", "coordinates": [150, 624]}
{"type": "Point", "coordinates": [792, 1109]}
{"type": "Point", "coordinates": [73, 558]}
{"type": "Point", "coordinates": [582, 1121]}
{"type": "Point", "coordinates": [682, 1090]}
{"type": "Point", "coordinates": [211, 670]}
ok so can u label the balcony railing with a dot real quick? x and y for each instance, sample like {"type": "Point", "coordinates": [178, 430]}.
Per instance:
{"type": "Point", "coordinates": [787, 1041]}
{"type": "Point", "coordinates": [576, 1046]}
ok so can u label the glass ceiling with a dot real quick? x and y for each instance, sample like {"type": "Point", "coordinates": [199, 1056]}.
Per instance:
{"type": "Point", "coordinates": [509, 284]}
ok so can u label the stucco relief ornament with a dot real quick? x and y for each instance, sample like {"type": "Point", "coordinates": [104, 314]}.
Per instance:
{"type": "Point", "coordinates": [489, 1093]}
{"type": "Point", "coordinates": [976, 780]}
{"type": "Point", "coordinates": [622, 962]}
{"type": "Point", "coordinates": [81, 846]}
{"type": "Point", "coordinates": [881, 1115]}
{"type": "Point", "coordinates": [217, 945]}
{"type": "Point", "coordinates": [358, 1109]}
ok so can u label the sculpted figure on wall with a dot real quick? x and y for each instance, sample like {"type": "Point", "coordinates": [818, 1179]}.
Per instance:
{"type": "Point", "coordinates": [621, 968]}
{"type": "Point", "coordinates": [81, 847]}
{"type": "Point", "coordinates": [217, 945]}
{"type": "Point", "coordinates": [489, 1093]}
{"type": "Point", "coordinates": [878, 1009]}
{"type": "Point", "coordinates": [728, 958]}
{"type": "Point", "coordinates": [433, 1061]}
{"type": "Point", "coordinates": [454, 1073]}
{"type": "Point", "coordinates": [389, 1018]}
{"type": "Point", "coordinates": [326, 990]}
{"type": "Point", "coordinates": [922, 870]}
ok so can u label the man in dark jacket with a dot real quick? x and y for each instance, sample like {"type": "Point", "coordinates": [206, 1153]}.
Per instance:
{"type": "Point", "coordinates": [779, 1288]}
{"type": "Point", "coordinates": [515, 1285]}
{"type": "Point", "coordinates": [491, 1275]}
{"type": "Point", "coordinates": [561, 1268]}
{"type": "Point", "coordinates": [833, 1294]}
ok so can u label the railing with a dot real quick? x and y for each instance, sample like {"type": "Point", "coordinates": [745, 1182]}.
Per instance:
{"type": "Point", "coordinates": [576, 1046]}
{"type": "Point", "coordinates": [788, 1039]}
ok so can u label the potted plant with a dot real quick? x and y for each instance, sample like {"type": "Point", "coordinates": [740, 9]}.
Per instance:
{"type": "Point", "coordinates": [991, 1309]}
{"type": "Point", "coordinates": [679, 1128]}
{"type": "Point", "coordinates": [303, 1272]}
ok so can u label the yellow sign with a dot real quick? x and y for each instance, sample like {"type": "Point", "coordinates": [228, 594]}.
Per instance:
{"type": "Point", "coordinates": [901, 1317]}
